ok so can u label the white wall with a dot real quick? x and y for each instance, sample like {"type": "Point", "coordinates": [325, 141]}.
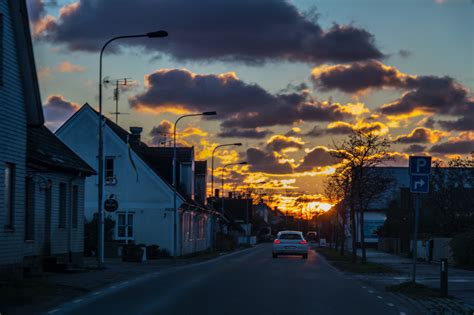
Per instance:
{"type": "Point", "coordinates": [149, 197]}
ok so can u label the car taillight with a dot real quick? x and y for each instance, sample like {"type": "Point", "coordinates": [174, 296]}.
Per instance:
{"type": "Point", "coordinates": [303, 242]}
{"type": "Point", "coordinates": [276, 241]}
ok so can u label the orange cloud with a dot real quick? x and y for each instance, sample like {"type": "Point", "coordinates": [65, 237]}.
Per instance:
{"type": "Point", "coordinates": [67, 67]}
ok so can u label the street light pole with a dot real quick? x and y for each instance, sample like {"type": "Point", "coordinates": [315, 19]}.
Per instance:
{"type": "Point", "coordinates": [100, 168]}
{"type": "Point", "coordinates": [212, 162]}
{"type": "Point", "coordinates": [175, 224]}
{"type": "Point", "coordinates": [223, 169]}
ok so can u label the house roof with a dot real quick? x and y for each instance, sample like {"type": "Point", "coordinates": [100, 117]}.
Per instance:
{"type": "Point", "coordinates": [45, 150]}
{"type": "Point", "coordinates": [26, 60]}
{"type": "Point", "coordinates": [152, 156]}
{"type": "Point", "coordinates": [161, 159]}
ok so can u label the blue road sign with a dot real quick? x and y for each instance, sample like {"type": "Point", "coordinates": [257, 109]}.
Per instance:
{"type": "Point", "coordinates": [419, 183]}
{"type": "Point", "coordinates": [420, 165]}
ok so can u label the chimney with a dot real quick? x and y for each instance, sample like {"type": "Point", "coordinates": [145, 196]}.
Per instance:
{"type": "Point", "coordinates": [216, 192]}
{"type": "Point", "coordinates": [134, 138]}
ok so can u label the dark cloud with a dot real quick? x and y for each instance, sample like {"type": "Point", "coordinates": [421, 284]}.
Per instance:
{"type": "Point", "coordinates": [279, 143]}
{"type": "Point", "coordinates": [239, 104]}
{"type": "Point", "coordinates": [316, 131]}
{"type": "Point", "coordinates": [340, 129]}
{"type": "Point", "coordinates": [244, 133]}
{"type": "Point", "coordinates": [36, 10]}
{"type": "Point", "coordinates": [266, 162]}
{"type": "Point", "coordinates": [415, 148]}
{"type": "Point", "coordinates": [57, 109]}
{"type": "Point", "coordinates": [209, 30]}
{"type": "Point", "coordinates": [431, 94]}
{"type": "Point", "coordinates": [420, 135]}
{"type": "Point", "coordinates": [357, 76]}
{"type": "Point", "coordinates": [464, 146]}
{"type": "Point", "coordinates": [404, 53]}
{"type": "Point", "coordinates": [465, 123]}
{"type": "Point", "coordinates": [318, 157]}
{"type": "Point", "coordinates": [160, 133]}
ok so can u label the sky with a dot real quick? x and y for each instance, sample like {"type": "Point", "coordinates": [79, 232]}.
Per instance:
{"type": "Point", "coordinates": [288, 79]}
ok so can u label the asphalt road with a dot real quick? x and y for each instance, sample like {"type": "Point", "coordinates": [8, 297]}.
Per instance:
{"type": "Point", "coordinates": [247, 282]}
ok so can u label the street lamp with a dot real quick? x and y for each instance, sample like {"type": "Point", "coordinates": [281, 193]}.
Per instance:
{"type": "Point", "coordinates": [223, 169]}
{"type": "Point", "coordinates": [100, 247]}
{"type": "Point", "coordinates": [175, 225]}
{"type": "Point", "coordinates": [212, 162]}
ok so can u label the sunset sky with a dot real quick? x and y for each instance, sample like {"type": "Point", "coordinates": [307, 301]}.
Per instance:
{"type": "Point", "coordinates": [287, 78]}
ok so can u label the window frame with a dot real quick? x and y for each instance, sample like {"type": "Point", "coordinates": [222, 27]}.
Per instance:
{"type": "Point", "coordinates": [29, 209]}
{"type": "Point", "coordinates": [127, 226]}
{"type": "Point", "coordinates": [62, 205]}
{"type": "Point", "coordinates": [9, 195]}
{"type": "Point", "coordinates": [75, 206]}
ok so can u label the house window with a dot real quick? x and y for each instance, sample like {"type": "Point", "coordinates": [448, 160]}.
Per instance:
{"type": "Point", "coordinates": [109, 171]}
{"type": "Point", "coordinates": [9, 194]}
{"type": "Point", "coordinates": [188, 227]}
{"type": "Point", "coordinates": [29, 209]}
{"type": "Point", "coordinates": [201, 228]}
{"type": "Point", "coordinates": [75, 205]}
{"type": "Point", "coordinates": [125, 225]}
{"type": "Point", "coordinates": [62, 205]}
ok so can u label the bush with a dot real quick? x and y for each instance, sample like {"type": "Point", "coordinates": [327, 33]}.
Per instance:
{"type": "Point", "coordinates": [91, 230]}
{"type": "Point", "coordinates": [462, 246]}
{"type": "Point", "coordinates": [152, 252]}
{"type": "Point", "coordinates": [163, 253]}
{"type": "Point", "coordinates": [132, 253]}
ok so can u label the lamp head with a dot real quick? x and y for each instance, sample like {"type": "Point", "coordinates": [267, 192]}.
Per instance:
{"type": "Point", "coordinates": [209, 113]}
{"type": "Point", "coordinates": [157, 34]}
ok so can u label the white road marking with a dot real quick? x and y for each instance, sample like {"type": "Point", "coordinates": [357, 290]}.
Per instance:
{"type": "Point", "coordinates": [364, 287]}
{"type": "Point", "coordinates": [403, 313]}
{"type": "Point", "coordinates": [96, 293]}
{"type": "Point", "coordinates": [113, 287]}
{"type": "Point", "coordinates": [53, 311]}
{"type": "Point", "coordinates": [77, 301]}
{"type": "Point", "coordinates": [370, 291]}
{"type": "Point", "coordinates": [390, 304]}
{"type": "Point", "coordinates": [379, 297]}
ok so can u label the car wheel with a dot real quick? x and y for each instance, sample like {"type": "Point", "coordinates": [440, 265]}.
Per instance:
{"type": "Point", "coordinates": [305, 256]}
{"type": "Point", "coordinates": [274, 255]}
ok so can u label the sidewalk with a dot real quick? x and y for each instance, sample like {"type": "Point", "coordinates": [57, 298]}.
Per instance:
{"type": "Point", "coordinates": [51, 289]}
{"type": "Point", "coordinates": [460, 281]}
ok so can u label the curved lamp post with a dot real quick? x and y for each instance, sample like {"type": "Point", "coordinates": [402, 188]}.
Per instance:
{"type": "Point", "coordinates": [175, 224]}
{"type": "Point", "coordinates": [223, 169]}
{"type": "Point", "coordinates": [212, 162]}
{"type": "Point", "coordinates": [100, 247]}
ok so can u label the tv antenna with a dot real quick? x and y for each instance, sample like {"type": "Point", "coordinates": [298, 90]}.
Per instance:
{"type": "Point", "coordinates": [118, 83]}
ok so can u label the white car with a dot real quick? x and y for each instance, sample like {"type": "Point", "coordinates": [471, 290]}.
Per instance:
{"type": "Point", "coordinates": [290, 243]}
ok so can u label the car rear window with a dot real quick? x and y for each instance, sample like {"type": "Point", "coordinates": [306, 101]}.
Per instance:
{"type": "Point", "coordinates": [291, 236]}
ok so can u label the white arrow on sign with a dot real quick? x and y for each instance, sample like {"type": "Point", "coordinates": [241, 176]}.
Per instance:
{"type": "Point", "coordinates": [420, 183]}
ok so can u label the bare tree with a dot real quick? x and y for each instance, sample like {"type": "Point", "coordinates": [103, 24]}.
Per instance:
{"type": "Point", "coordinates": [359, 156]}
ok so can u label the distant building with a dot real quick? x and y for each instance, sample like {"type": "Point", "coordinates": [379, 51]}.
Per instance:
{"type": "Point", "coordinates": [139, 178]}
{"type": "Point", "coordinates": [399, 191]}
{"type": "Point", "coordinates": [42, 180]}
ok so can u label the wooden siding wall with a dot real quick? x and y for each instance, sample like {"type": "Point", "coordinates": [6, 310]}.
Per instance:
{"type": "Point", "coordinates": [63, 239]}
{"type": "Point", "coordinates": [12, 143]}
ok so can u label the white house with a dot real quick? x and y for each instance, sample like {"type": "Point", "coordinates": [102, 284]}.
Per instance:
{"type": "Point", "coordinates": [138, 177]}
{"type": "Point", "coordinates": [42, 181]}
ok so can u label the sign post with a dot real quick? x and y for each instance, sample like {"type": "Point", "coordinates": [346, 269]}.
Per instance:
{"type": "Point", "coordinates": [419, 169]}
